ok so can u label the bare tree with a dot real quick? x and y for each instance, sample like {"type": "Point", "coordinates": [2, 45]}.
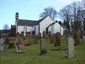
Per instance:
{"type": "Point", "coordinates": [49, 12]}
{"type": "Point", "coordinates": [65, 14]}
{"type": "Point", "coordinates": [76, 8]}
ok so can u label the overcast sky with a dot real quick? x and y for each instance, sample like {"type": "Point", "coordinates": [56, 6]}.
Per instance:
{"type": "Point", "coordinates": [28, 9]}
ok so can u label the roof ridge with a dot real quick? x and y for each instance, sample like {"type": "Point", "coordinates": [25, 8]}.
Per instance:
{"type": "Point", "coordinates": [27, 20]}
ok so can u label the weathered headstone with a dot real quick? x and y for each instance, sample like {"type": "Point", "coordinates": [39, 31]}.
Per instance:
{"type": "Point", "coordinates": [50, 37]}
{"type": "Point", "coordinates": [1, 44]}
{"type": "Point", "coordinates": [77, 38]}
{"type": "Point", "coordinates": [53, 38]}
{"type": "Point", "coordinates": [19, 43]}
{"type": "Point", "coordinates": [11, 42]}
{"type": "Point", "coordinates": [44, 33]}
{"type": "Point", "coordinates": [43, 49]}
{"type": "Point", "coordinates": [83, 37]}
{"type": "Point", "coordinates": [70, 47]}
{"type": "Point", "coordinates": [57, 38]}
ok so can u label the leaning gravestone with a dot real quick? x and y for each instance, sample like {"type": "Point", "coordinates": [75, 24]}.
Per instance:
{"type": "Point", "coordinates": [70, 47]}
{"type": "Point", "coordinates": [57, 39]}
{"type": "Point", "coordinates": [43, 49]}
{"type": "Point", "coordinates": [1, 44]}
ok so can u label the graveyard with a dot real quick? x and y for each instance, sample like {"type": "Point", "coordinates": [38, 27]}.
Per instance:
{"type": "Point", "coordinates": [54, 55]}
{"type": "Point", "coordinates": [42, 32]}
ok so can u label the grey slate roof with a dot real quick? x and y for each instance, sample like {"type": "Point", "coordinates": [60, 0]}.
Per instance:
{"type": "Point", "coordinates": [23, 22]}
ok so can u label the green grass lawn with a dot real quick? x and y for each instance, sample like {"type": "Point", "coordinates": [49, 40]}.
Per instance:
{"type": "Point", "coordinates": [31, 55]}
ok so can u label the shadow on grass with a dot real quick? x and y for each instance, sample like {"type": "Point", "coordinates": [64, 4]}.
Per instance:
{"type": "Point", "coordinates": [57, 49]}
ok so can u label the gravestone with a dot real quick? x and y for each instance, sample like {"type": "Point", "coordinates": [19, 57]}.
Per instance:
{"type": "Point", "coordinates": [43, 49]}
{"type": "Point", "coordinates": [77, 38]}
{"type": "Point", "coordinates": [57, 39]}
{"type": "Point", "coordinates": [19, 44]}
{"type": "Point", "coordinates": [11, 43]}
{"type": "Point", "coordinates": [83, 37]}
{"type": "Point", "coordinates": [70, 47]}
{"type": "Point", "coordinates": [44, 33]}
{"type": "Point", "coordinates": [1, 44]}
{"type": "Point", "coordinates": [53, 38]}
{"type": "Point", "coordinates": [50, 37]}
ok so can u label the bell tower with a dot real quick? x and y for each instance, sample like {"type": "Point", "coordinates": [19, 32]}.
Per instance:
{"type": "Point", "coordinates": [16, 20]}
{"type": "Point", "coordinates": [16, 15]}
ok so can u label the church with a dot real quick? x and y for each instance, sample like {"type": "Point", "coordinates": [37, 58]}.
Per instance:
{"type": "Point", "coordinates": [36, 27]}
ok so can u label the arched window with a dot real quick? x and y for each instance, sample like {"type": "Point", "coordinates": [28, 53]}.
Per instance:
{"type": "Point", "coordinates": [25, 29]}
{"type": "Point", "coordinates": [35, 29]}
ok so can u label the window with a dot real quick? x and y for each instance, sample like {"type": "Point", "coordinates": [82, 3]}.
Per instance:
{"type": "Point", "coordinates": [25, 29]}
{"type": "Point", "coordinates": [35, 30]}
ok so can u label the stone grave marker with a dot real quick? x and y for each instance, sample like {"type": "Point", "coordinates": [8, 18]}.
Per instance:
{"type": "Point", "coordinates": [19, 44]}
{"type": "Point", "coordinates": [11, 42]}
{"type": "Point", "coordinates": [70, 47]}
{"type": "Point", "coordinates": [1, 44]}
{"type": "Point", "coordinates": [83, 37]}
{"type": "Point", "coordinates": [57, 39]}
{"type": "Point", "coordinates": [43, 49]}
{"type": "Point", "coordinates": [77, 38]}
{"type": "Point", "coordinates": [53, 38]}
{"type": "Point", "coordinates": [50, 37]}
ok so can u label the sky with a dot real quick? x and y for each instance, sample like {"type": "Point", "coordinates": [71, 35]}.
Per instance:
{"type": "Point", "coordinates": [28, 9]}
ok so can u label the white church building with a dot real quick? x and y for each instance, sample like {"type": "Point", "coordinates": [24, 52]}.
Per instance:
{"type": "Point", "coordinates": [38, 26]}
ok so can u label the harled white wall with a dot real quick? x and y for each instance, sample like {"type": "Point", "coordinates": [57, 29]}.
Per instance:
{"type": "Point", "coordinates": [21, 28]}
{"type": "Point", "coordinates": [45, 23]}
{"type": "Point", "coordinates": [56, 28]}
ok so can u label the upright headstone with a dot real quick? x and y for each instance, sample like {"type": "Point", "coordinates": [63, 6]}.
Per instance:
{"type": "Point", "coordinates": [77, 38]}
{"type": "Point", "coordinates": [54, 38]}
{"type": "Point", "coordinates": [83, 37]}
{"type": "Point", "coordinates": [11, 42]}
{"type": "Point", "coordinates": [1, 44]}
{"type": "Point", "coordinates": [57, 38]}
{"type": "Point", "coordinates": [19, 43]}
{"type": "Point", "coordinates": [70, 47]}
{"type": "Point", "coordinates": [50, 37]}
{"type": "Point", "coordinates": [44, 33]}
{"type": "Point", "coordinates": [43, 49]}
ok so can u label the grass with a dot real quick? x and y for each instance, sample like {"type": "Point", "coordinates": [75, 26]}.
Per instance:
{"type": "Point", "coordinates": [31, 55]}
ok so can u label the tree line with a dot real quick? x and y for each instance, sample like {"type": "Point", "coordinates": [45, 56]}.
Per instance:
{"type": "Point", "coordinates": [73, 16]}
